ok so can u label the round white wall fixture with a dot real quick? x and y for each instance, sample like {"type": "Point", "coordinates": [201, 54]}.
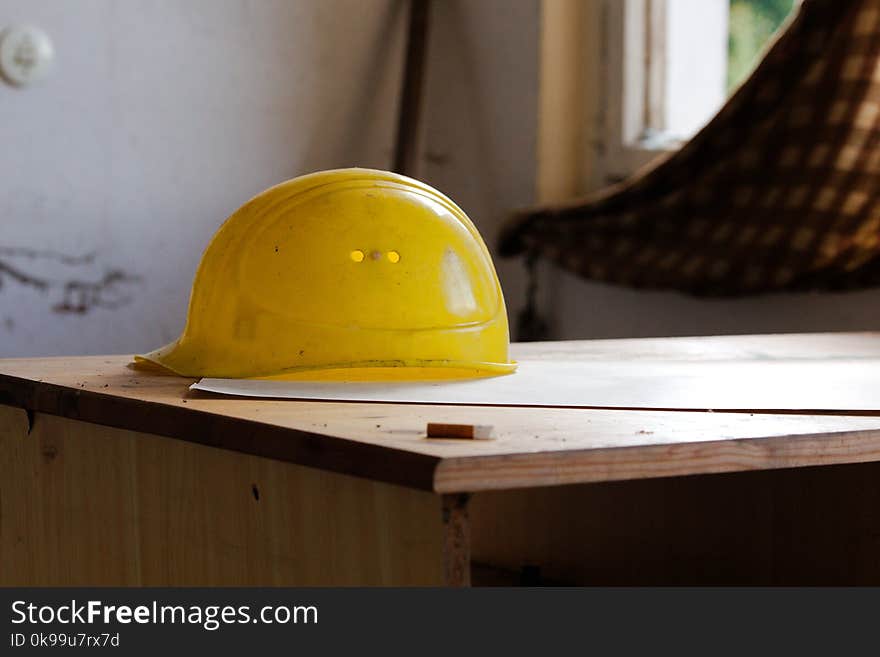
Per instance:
{"type": "Point", "coordinates": [26, 54]}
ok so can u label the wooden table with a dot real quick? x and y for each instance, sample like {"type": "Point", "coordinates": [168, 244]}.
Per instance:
{"type": "Point", "coordinates": [110, 476]}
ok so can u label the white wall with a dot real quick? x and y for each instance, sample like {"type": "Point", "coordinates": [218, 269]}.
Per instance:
{"type": "Point", "coordinates": [160, 118]}
{"type": "Point", "coordinates": [590, 310]}
{"type": "Point", "coordinates": [481, 114]}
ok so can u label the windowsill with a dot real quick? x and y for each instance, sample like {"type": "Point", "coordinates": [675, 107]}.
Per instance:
{"type": "Point", "coordinates": [658, 141]}
{"type": "Point", "coordinates": [625, 161]}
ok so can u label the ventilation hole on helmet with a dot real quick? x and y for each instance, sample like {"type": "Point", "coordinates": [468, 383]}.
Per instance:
{"type": "Point", "coordinates": [357, 255]}
{"type": "Point", "coordinates": [375, 255]}
{"type": "Point", "coordinates": [393, 256]}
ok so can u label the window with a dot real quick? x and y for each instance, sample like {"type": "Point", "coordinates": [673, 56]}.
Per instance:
{"type": "Point", "coordinates": [668, 65]}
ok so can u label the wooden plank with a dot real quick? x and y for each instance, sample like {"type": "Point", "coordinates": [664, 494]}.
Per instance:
{"type": "Point", "coordinates": [82, 504]}
{"type": "Point", "coordinates": [104, 391]}
{"type": "Point", "coordinates": [653, 461]}
{"type": "Point", "coordinates": [533, 447]}
{"type": "Point", "coordinates": [457, 540]}
{"type": "Point", "coordinates": [802, 526]}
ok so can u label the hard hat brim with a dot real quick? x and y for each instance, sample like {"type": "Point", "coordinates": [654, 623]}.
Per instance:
{"type": "Point", "coordinates": [167, 359]}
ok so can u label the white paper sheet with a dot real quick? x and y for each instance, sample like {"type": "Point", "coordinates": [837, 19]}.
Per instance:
{"type": "Point", "coordinates": [843, 385]}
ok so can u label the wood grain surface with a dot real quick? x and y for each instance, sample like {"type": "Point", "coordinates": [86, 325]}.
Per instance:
{"type": "Point", "coordinates": [533, 447]}
{"type": "Point", "coordinates": [86, 505]}
{"type": "Point", "coordinates": [793, 527]}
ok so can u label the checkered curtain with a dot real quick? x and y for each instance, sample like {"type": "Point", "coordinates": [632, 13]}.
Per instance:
{"type": "Point", "coordinates": [780, 191]}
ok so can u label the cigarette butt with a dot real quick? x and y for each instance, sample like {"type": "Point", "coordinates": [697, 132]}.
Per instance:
{"type": "Point", "coordinates": [462, 431]}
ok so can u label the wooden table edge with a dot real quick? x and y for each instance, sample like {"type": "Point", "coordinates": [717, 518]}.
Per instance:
{"type": "Point", "coordinates": [442, 475]}
{"type": "Point", "coordinates": [387, 464]}
{"type": "Point", "coordinates": [529, 470]}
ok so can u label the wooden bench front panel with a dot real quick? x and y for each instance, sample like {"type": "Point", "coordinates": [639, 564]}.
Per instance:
{"type": "Point", "coordinates": [83, 504]}
{"type": "Point", "coordinates": [801, 526]}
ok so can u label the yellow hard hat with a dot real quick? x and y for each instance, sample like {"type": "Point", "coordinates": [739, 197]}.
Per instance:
{"type": "Point", "coordinates": [350, 268]}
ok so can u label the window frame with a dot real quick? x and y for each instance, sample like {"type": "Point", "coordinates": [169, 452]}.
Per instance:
{"type": "Point", "coordinates": [630, 130]}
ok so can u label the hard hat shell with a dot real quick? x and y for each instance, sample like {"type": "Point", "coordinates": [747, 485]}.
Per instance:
{"type": "Point", "coordinates": [340, 269]}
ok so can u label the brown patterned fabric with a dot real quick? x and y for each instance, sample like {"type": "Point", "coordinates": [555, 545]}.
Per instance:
{"type": "Point", "coordinates": [780, 191]}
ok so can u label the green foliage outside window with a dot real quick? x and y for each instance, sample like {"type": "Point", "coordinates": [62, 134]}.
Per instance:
{"type": "Point", "coordinates": [752, 23]}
